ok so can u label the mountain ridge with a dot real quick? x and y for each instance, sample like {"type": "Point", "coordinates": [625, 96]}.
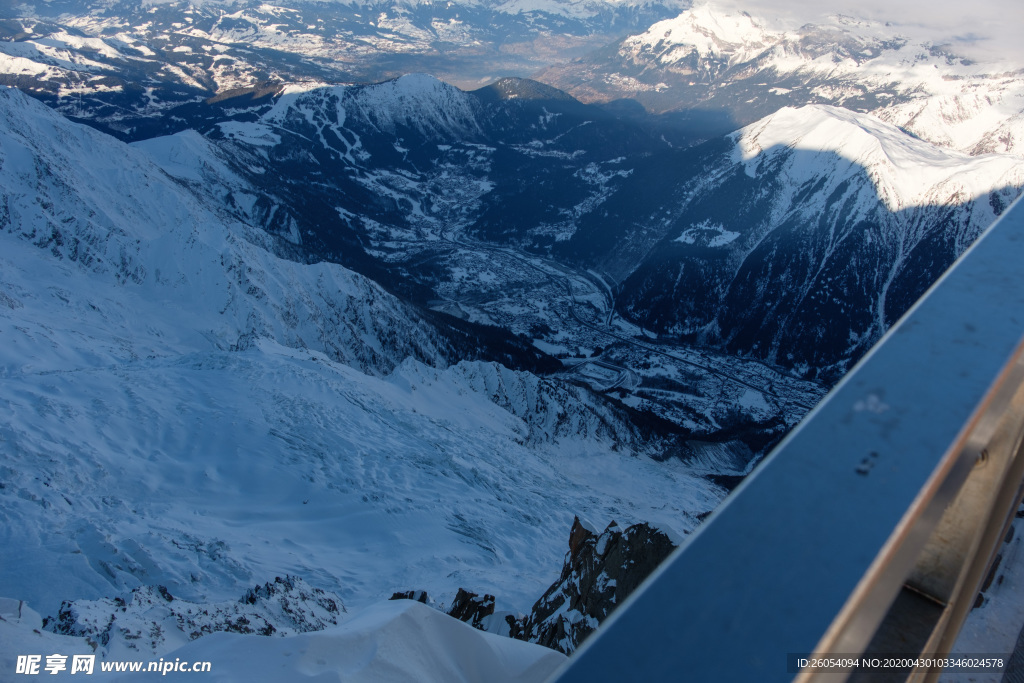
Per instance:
{"type": "Point", "coordinates": [842, 213]}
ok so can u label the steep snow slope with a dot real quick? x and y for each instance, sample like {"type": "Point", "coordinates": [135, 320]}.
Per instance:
{"type": "Point", "coordinates": [85, 199]}
{"type": "Point", "coordinates": [392, 641]}
{"type": "Point", "coordinates": [805, 235]}
{"type": "Point", "coordinates": [905, 172]}
{"type": "Point", "coordinates": [183, 408]}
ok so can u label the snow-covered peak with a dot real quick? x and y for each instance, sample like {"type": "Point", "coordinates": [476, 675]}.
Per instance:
{"type": "Point", "coordinates": [707, 33]}
{"type": "Point", "coordinates": [712, 58]}
{"type": "Point", "coordinates": [906, 171]}
{"type": "Point", "coordinates": [833, 44]}
{"type": "Point", "coordinates": [417, 101]}
{"type": "Point", "coordinates": [720, 28]}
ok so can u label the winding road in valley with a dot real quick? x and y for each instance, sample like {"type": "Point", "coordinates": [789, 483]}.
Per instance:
{"type": "Point", "coordinates": [562, 276]}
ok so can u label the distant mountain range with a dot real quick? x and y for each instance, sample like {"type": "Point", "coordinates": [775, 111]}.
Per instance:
{"type": "Point", "coordinates": [722, 70]}
{"type": "Point", "coordinates": [114, 61]}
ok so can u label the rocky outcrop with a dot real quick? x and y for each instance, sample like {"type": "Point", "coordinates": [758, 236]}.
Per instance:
{"type": "Point", "coordinates": [600, 571]}
{"type": "Point", "coordinates": [472, 608]}
{"type": "Point", "coordinates": [151, 620]}
{"type": "Point", "coordinates": [417, 596]}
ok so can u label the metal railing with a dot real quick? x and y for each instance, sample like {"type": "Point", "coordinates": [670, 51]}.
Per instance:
{"type": "Point", "coordinates": [870, 528]}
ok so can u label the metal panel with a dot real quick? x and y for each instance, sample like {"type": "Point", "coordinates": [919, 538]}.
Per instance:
{"type": "Point", "coordinates": [812, 550]}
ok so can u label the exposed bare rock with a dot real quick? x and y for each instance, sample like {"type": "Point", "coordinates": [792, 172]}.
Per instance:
{"type": "Point", "coordinates": [472, 608]}
{"type": "Point", "coordinates": [418, 596]}
{"type": "Point", "coordinates": [600, 571]}
{"type": "Point", "coordinates": [151, 620]}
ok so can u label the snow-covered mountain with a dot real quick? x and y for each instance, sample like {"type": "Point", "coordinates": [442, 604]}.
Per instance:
{"type": "Point", "coordinates": [807, 234]}
{"type": "Point", "coordinates": [109, 209]}
{"type": "Point", "coordinates": [389, 172]}
{"type": "Point", "coordinates": [185, 408]}
{"type": "Point", "coordinates": [721, 69]}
